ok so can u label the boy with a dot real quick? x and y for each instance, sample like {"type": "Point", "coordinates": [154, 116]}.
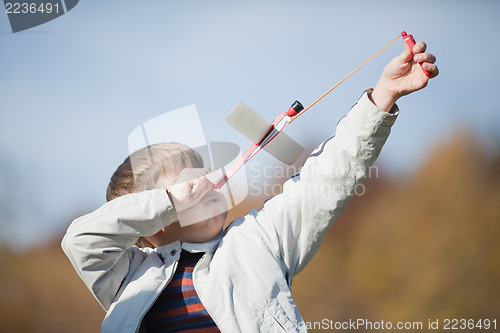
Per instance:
{"type": "Point", "coordinates": [199, 279]}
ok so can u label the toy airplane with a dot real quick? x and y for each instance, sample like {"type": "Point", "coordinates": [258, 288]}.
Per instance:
{"type": "Point", "coordinates": [264, 135]}
{"type": "Point", "coordinates": [269, 136]}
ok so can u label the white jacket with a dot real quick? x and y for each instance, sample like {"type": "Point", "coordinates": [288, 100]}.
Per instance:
{"type": "Point", "coordinates": [244, 277]}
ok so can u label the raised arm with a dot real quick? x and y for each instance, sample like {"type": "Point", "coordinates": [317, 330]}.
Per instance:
{"type": "Point", "coordinates": [297, 219]}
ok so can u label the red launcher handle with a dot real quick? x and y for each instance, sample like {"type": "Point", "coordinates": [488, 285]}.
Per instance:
{"type": "Point", "coordinates": [408, 39]}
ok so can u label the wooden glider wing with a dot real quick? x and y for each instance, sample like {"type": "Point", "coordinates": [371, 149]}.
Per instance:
{"type": "Point", "coordinates": [255, 127]}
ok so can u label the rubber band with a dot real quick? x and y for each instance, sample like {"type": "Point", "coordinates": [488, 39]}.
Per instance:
{"type": "Point", "coordinates": [345, 78]}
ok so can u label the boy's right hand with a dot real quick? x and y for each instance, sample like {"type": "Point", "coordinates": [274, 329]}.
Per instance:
{"type": "Point", "coordinates": [189, 187]}
{"type": "Point", "coordinates": [403, 76]}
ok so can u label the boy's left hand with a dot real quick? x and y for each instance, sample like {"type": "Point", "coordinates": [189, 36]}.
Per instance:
{"type": "Point", "coordinates": [189, 187]}
{"type": "Point", "coordinates": [403, 75]}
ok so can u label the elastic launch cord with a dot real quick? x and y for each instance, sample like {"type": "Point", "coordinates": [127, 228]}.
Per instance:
{"type": "Point", "coordinates": [335, 86]}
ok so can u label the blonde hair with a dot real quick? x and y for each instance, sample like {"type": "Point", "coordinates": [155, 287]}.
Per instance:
{"type": "Point", "coordinates": [143, 169]}
{"type": "Point", "coordinates": [146, 168]}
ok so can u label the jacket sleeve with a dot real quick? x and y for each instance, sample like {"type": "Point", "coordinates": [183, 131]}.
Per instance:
{"type": "Point", "coordinates": [100, 244]}
{"type": "Point", "coordinates": [297, 219]}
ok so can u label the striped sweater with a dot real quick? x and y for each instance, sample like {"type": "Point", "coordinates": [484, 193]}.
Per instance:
{"type": "Point", "coordinates": [178, 308]}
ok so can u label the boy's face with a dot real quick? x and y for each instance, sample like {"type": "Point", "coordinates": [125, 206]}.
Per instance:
{"type": "Point", "coordinates": [200, 223]}
{"type": "Point", "coordinates": [212, 205]}
{"type": "Point", "coordinates": [211, 211]}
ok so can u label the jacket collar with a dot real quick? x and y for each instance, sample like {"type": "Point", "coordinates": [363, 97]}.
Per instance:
{"type": "Point", "coordinates": [207, 247]}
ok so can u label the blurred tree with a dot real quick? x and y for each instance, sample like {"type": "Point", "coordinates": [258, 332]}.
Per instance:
{"type": "Point", "coordinates": [7, 211]}
{"type": "Point", "coordinates": [20, 200]}
{"type": "Point", "coordinates": [414, 249]}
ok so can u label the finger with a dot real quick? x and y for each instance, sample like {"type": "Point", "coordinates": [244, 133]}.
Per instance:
{"type": "Point", "coordinates": [201, 181]}
{"type": "Point", "coordinates": [424, 57]}
{"type": "Point", "coordinates": [195, 187]}
{"type": "Point", "coordinates": [406, 55]}
{"type": "Point", "coordinates": [188, 174]}
{"type": "Point", "coordinates": [419, 47]}
{"type": "Point", "coordinates": [200, 193]}
{"type": "Point", "coordinates": [207, 187]}
{"type": "Point", "coordinates": [431, 68]}
{"type": "Point", "coordinates": [201, 188]}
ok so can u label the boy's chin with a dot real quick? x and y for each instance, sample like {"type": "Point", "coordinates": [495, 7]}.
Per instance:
{"type": "Point", "coordinates": [200, 215]}
{"type": "Point", "coordinates": [213, 222]}
{"type": "Point", "coordinates": [206, 230]}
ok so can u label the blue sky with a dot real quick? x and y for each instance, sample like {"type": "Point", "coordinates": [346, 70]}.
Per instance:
{"type": "Point", "coordinates": [74, 88]}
